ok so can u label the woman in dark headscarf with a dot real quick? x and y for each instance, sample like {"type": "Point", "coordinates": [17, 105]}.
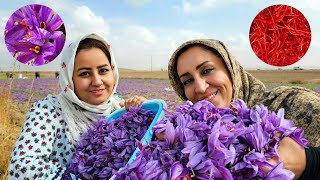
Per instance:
{"type": "Point", "coordinates": [205, 69]}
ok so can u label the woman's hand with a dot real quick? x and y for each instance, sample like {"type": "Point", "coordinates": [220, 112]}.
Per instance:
{"type": "Point", "coordinates": [133, 101]}
{"type": "Point", "coordinates": [292, 155]}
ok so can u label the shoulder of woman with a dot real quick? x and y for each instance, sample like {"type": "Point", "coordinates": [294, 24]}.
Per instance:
{"type": "Point", "coordinates": [292, 91]}
{"type": "Point", "coordinates": [50, 104]}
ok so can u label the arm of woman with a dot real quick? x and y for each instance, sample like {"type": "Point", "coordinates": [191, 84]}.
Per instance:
{"type": "Point", "coordinates": [292, 155]}
{"type": "Point", "coordinates": [303, 162]}
{"type": "Point", "coordinates": [312, 170]}
{"type": "Point", "coordinates": [33, 155]}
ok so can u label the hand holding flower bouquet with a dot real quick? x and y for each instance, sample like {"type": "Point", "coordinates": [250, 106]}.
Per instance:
{"type": "Point", "coordinates": [204, 142]}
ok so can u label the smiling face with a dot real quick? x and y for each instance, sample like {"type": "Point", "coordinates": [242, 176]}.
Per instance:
{"type": "Point", "coordinates": [93, 76]}
{"type": "Point", "coordinates": [204, 76]}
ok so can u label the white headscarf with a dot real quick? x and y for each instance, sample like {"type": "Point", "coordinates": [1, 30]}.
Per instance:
{"type": "Point", "coordinates": [79, 114]}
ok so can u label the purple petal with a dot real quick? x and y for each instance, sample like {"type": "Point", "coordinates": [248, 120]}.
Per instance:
{"type": "Point", "coordinates": [176, 170]}
{"type": "Point", "coordinates": [25, 57]}
{"type": "Point", "coordinates": [279, 173]}
{"type": "Point", "coordinates": [55, 23]}
{"type": "Point", "coordinates": [170, 134]}
{"type": "Point", "coordinates": [38, 61]}
{"type": "Point", "coordinates": [196, 159]}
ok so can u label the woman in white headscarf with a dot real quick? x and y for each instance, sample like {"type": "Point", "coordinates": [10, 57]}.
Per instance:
{"type": "Point", "coordinates": [88, 80]}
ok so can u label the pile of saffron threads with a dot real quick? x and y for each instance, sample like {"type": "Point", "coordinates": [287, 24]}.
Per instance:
{"type": "Point", "coordinates": [280, 35]}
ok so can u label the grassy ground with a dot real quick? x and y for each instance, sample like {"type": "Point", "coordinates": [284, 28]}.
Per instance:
{"type": "Point", "coordinates": [28, 75]}
{"type": "Point", "coordinates": [10, 126]}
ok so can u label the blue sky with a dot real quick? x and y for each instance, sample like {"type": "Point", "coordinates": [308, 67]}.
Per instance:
{"type": "Point", "coordinates": [141, 30]}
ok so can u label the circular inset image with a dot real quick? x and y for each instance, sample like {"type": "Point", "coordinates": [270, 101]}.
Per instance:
{"type": "Point", "coordinates": [35, 35]}
{"type": "Point", "coordinates": [280, 35]}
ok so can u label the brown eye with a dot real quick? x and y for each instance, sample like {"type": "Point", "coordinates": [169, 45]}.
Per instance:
{"type": "Point", "coordinates": [186, 82]}
{"type": "Point", "coordinates": [206, 71]}
{"type": "Point", "coordinates": [84, 74]}
{"type": "Point", "coordinates": [104, 70]}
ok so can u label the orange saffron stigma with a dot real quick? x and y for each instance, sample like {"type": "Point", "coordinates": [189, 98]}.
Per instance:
{"type": "Point", "coordinates": [23, 22]}
{"type": "Point", "coordinates": [43, 25]}
{"type": "Point", "coordinates": [35, 49]}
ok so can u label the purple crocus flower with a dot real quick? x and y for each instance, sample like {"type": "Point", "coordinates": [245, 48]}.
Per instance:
{"type": "Point", "coordinates": [278, 172]}
{"type": "Point", "coordinates": [204, 142]}
{"type": "Point", "coordinates": [32, 35]}
{"type": "Point", "coordinates": [19, 18]}
{"type": "Point", "coordinates": [176, 170]}
{"type": "Point", "coordinates": [35, 51]}
{"type": "Point", "coordinates": [107, 147]}
{"type": "Point", "coordinates": [317, 90]}
{"type": "Point", "coordinates": [46, 19]}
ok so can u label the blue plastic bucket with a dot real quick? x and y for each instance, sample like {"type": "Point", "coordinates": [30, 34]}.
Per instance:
{"type": "Point", "coordinates": [156, 106]}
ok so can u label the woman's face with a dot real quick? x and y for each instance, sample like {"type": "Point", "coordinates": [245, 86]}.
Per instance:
{"type": "Point", "coordinates": [93, 76]}
{"type": "Point", "coordinates": [204, 76]}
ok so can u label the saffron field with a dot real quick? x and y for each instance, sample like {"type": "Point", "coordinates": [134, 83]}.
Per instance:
{"type": "Point", "coordinates": [17, 95]}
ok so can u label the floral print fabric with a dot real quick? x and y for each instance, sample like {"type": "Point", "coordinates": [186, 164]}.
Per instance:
{"type": "Point", "coordinates": [42, 150]}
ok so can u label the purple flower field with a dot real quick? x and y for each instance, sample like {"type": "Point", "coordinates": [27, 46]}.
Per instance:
{"type": "Point", "coordinates": [23, 89]}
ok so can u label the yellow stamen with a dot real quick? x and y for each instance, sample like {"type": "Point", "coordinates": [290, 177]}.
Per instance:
{"type": "Point", "coordinates": [35, 49]}
{"type": "Point", "coordinates": [23, 23]}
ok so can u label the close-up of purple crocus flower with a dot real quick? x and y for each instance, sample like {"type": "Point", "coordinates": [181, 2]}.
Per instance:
{"type": "Point", "coordinates": [35, 50]}
{"type": "Point", "coordinates": [34, 35]}
{"type": "Point", "coordinates": [47, 19]}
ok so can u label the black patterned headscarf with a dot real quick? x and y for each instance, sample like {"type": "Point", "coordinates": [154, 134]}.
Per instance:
{"type": "Point", "coordinates": [300, 104]}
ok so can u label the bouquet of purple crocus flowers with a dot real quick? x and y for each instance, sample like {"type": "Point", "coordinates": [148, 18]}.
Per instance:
{"type": "Point", "coordinates": [204, 142]}
{"type": "Point", "coordinates": [108, 146]}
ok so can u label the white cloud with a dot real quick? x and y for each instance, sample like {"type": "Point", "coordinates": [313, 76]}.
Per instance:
{"type": "Point", "coordinates": [55, 5]}
{"type": "Point", "coordinates": [306, 4]}
{"type": "Point", "coordinates": [83, 20]}
{"type": "Point", "coordinates": [142, 33]}
{"type": "Point", "coordinates": [197, 6]}
{"type": "Point", "coordinates": [138, 2]}
{"type": "Point", "coordinates": [3, 22]}
{"type": "Point", "coordinates": [137, 45]}
{"type": "Point", "coordinates": [181, 36]}
{"type": "Point", "coordinates": [134, 35]}
{"type": "Point", "coordinates": [133, 45]}
{"type": "Point", "coordinates": [301, 5]}
{"type": "Point", "coordinates": [237, 41]}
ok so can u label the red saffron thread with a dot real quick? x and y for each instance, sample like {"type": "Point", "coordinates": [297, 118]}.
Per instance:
{"type": "Point", "coordinates": [280, 35]}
